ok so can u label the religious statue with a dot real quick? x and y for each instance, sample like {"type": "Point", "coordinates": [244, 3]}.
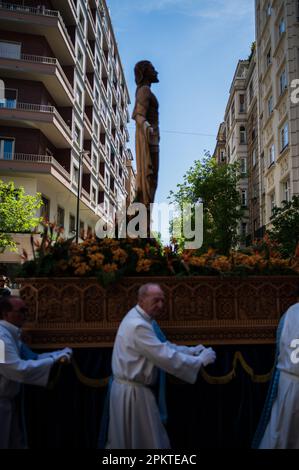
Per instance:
{"type": "Point", "coordinates": [146, 115]}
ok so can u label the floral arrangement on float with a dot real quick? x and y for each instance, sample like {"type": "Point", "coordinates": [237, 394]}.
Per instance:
{"type": "Point", "coordinates": [109, 259]}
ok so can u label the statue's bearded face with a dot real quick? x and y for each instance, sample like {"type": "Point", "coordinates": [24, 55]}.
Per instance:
{"type": "Point", "coordinates": [152, 73]}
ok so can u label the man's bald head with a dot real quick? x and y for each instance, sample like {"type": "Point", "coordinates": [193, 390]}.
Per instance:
{"type": "Point", "coordinates": [151, 299]}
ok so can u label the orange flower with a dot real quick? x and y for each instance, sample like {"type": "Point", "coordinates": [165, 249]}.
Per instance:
{"type": "Point", "coordinates": [110, 267]}
{"type": "Point", "coordinates": [120, 255]}
{"type": "Point", "coordinates": [143, 265]}
{"type": "Point", "coordinates": [82, 269]}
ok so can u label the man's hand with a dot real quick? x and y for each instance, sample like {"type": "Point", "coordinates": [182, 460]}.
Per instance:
{"type": "Point", "coordinates": [207, 356]}
{"type": "Point", "coordinates": [63, 356]}
{"type": "Point", "coordinates": [197, 350]}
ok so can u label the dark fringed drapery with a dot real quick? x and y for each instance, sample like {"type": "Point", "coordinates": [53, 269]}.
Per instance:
{"type": "Point", "coordinates": [223, 414]}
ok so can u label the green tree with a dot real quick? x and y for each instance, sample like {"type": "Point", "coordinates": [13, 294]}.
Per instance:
{"type": "Point", "coordinates": [17, 213]}
{"type": "Point", "coordinates": [216, 187]}
{"type": "Point", "coordinates": [285, 226]}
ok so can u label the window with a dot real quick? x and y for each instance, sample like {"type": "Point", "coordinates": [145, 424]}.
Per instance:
{"type": "Point", "coordinates": [97, 97]}
{"type": "Point", "coordinates": [233, 111]}
{"type": "Point", "coordinates": [272, 203]}
{"type": "Point", "coordinates": [109, 124]}
{"type": "Point", "coordinates": [268, 58]}
{"type": "Point", "coordinates": [77, 135]}
{"type": "Point", "coordinates": [81, 229]}
{"type": "Point", "coordinates": [80, 58]}
{"type": "Point", "coordinates": [45, 209]}
{"type": "Point", "coordinates": [72, 224]}
{"type": "Point", "coordinates": [254, 158]}
{"type": "Point", "coordinates": [242, 135]}
{"type": "Point", "coordinates": [283, 81]}
{"type": "Point", "coordinates": [96, 129]}
{"type": "Point", "coordinates": [282, 26]}
{"type": "Point", "coordinates": [8, 98]}
{"type": "Point", "coordinates": [60, 216]}
{"type": "Point", "coordinates": [284, 136]}
{"type": "Point", "coordinates": [242, 103]}
{"type": "Point", "coordinates": [107, 179]}
{"type": "Point", "coordinates": [10, 50]}
{"type": "Point", "coordinates": [270, 105]}
{"type": "Point", "coordinates": [222, 156]}
{"type": "Point", "coordinates": [75, 175]}
{"type": "Point", "coordinates": [251, 91]}
{"type": "Point", "coordinates": [7, 148]}
{"type": "Point", "coordinates": [243, 166]}
{"type": "Point", "coordinates": [269, 9]}
{"type": "Point", "coordinates": [93, 194]}
{"type": "Point", "coordinates": [94, 161]}
{"type": "Point", "coordinates": [82, 21]}
{"type": "Point", "coordinates": [244, 197]}
{"type": "Point", "coordinates": [243, 229]}
{"type": "Point", "coordinates": [271, 154]}
{"type": "Point", "coordinates": [286, 190]}
{"type": "Point", "coordinates": [79, 96]}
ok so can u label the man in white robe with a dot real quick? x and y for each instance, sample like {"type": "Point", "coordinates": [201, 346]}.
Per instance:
{"type": "Point", "coordinates": [282, 431]}
{"type": "Point", "coordinates": [134, 419]}
{"type": "Point", "coordinates": [15, 370]}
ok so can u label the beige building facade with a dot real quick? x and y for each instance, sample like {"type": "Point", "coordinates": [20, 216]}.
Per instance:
{"type": "Point", "coordinates": [64, 109]}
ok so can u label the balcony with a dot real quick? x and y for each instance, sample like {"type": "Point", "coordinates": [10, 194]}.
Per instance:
{"type": "Point", "coordinates": [39, 68]}
{"type": "Point", "coordinates": [67, 10]}
{"type": "Point", "coordinates": [91, 25]}
{"type": "Point", "coordinates": [45, 118]}
{"type": "Point", "coordinates": [42, 22]}
{"type": "Point", "coordinates": [90, 66]}
{"type": "Point", "coordinates": [87, 128]}
{"type": "Point", "coordinates": [29, 163]}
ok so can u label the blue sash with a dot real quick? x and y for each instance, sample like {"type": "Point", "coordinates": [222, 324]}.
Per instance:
{"type": "Point", "coordinates": [272, 392]}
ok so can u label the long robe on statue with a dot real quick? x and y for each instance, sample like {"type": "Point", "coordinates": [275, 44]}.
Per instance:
{"type": "Point", "coordinates": [13, 372]}
{"type": "Point", "coordinates": [282, 431]}
{"type": "Point", "coordinates": [134, 419]}
{"type": "Point", "coordinates": [146, 113]}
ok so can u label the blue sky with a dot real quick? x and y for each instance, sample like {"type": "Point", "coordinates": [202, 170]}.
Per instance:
{"type": "Point", "coordinates": [195, 46]}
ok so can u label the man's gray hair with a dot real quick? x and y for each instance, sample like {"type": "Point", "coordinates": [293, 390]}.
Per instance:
{"type": "Point", "coordinates": [143, 290]}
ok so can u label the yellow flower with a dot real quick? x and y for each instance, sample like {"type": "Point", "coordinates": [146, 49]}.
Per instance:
{"type": "Point", "coordinates": [110, 267]}
{"type": "Point", "coordinates": [96, 259]}
{"type": "Point", "coordinates": [139, 252]}
{"type": "Point", "coordinates": [120, 255]}
{"type": "Point", "coordinates": [143, 265]}
{"type": "Point", "coordinates": [82, 269]}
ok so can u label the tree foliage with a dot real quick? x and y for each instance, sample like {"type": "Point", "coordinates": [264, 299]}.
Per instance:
{"type": "Point", "coordinates": [216, 187]}
{"type": "Point", "coordinates": [17, 213]}
{"type": "Point", "coordinates": [285, 226]}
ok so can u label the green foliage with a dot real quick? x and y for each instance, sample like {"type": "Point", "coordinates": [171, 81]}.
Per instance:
{"type": "Point", "coordinates": [17, 213]}
{"type": "Point", "coordinates": [285, 226]}
{"type": "Point", "coordinates": [216, 187]}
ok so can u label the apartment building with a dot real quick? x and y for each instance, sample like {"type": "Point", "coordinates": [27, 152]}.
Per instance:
{"type": "Point", "coordinates": [63, 108]}
{"type": "Point", "coordinates": [220, 149]}
{"type": "Point", "coordinates": [261, 119]}
{"type": "Point", "coordinates": [277, 30]}
{"type": "Point", "coordinates": [236, 136]}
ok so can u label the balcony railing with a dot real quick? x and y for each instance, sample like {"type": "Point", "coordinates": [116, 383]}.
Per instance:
{"type": "Point", "coordinates": [39, 108]}
{"type": "Point", "coordinates": [37, 59]}
{"type": "Point", "coordinates": [38, 159]}
{"type": "Point", "coordinates": [39, 11]}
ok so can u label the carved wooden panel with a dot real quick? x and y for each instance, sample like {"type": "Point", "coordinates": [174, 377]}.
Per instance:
{"type": "Point", "coordinates": [213, 310]}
